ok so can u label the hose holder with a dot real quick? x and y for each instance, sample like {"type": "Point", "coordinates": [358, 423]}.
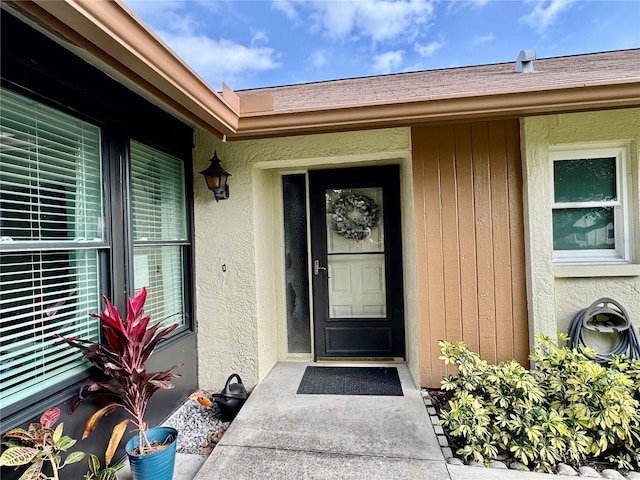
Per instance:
{"type": "Point", "coordinates": [605, 315]}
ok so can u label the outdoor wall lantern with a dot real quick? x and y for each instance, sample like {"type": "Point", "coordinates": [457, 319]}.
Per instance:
{"type": "Point", "coordinates": [216, 178]}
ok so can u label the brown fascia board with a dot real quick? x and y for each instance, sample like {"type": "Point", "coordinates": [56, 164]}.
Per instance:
{"type": "Point", "coordinates": [249, 104]}
{"type": "Point", "coordinates": [506, 104]}
{"type": "Point", "coordinates": [108, 31]}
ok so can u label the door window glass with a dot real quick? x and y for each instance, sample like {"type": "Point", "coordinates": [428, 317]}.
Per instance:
{"type": "Point", "coordinates": [355, 253]}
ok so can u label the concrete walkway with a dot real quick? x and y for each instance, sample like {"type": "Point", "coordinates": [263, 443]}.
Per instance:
{"type": "Point", "coordinates": [281, 435]}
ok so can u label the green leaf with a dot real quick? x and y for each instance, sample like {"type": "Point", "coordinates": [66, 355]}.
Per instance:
{"type": "Point", "coordinates": [58, 433]}
{"type": "Point", "coordinates": [16, 456]}
{"type": "Point", "coordinates": [33, 472]}
{"type": "Point", "coordinates": [73, 457]}
{"type": "Point", "coordinates": [19, 434]}
{"type": "Point", "coordinates": [66, 443]}
{"type": "Point", "coordinates": [94, 464]}
{"type": "Point", "coordinates": [109, 473]}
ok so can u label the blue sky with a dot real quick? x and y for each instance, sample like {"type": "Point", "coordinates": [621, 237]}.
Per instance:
{"type": "Point", "coordinates": [249, 44]}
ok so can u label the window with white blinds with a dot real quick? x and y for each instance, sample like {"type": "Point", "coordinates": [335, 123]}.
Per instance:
{"type": "Point", "coordinates": [51, 232]}
{"type": "Point", "coordinates": [159, 226]}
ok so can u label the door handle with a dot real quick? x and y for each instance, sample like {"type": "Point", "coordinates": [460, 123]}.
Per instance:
{"type": "Point", "coordinates": [317, 267]}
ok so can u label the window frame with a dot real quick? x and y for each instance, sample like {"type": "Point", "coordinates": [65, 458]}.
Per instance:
{"type": "Point", "coordinates": [183, 244]}
{"type": "Point", "coordinates": [622, 253]}
{"type": "Point", "coordinates": [46, 247]}
{"type": "Point", "coordinates": [46, 72]}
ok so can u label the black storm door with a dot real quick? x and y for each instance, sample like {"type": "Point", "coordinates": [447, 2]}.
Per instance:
{"type": "Point", "coordinates": [356, 263]}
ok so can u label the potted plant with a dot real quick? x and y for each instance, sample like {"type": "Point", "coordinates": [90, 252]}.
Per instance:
{"type": "Point", "coordinates": [121, 355]}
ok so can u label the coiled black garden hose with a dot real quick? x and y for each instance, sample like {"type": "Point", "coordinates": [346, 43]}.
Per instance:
{"type": "Point", "coordinates": [616, 320]}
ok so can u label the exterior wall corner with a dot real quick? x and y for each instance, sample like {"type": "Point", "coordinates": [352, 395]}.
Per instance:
{"type": "Point", "coordinates": [537, 227]}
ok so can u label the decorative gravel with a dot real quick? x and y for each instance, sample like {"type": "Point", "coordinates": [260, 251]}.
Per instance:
{"type": "Point", "coordinates": [199, 428]}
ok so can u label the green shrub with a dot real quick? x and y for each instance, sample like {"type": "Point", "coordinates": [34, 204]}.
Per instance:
{"type": "Point", "coordinates": [567, 409]}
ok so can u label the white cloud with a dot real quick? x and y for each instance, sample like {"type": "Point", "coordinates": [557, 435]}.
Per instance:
{"type": "Point", "coordinates": [259, 37]}
{"type": "Point", "coordinates": [376, 19]}
{"type": "Point", "coordinates": [387, 62]}
{"type": "Point", "coordinates": [184, 25]}
{"type": "Point", "coordinates": [483, 39]}
{"type": "Point", "coordinates": [428, 49]}
{"type": "Point", "coordinates": [457, 5]}
{"type": "Point", "coordinates": [286, 6]}
{"type": "Point", "coordinates": [319, 58]}
{"type": "Point", "coordinates": [544, 13]}
{"type": "Point", "coordinates": [220, 60]}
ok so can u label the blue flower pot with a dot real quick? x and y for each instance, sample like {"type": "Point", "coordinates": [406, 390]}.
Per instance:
{"type": "Point", "coordinates": [158, 465]}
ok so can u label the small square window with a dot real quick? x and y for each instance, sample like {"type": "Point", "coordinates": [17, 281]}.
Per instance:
{"type": "Point", "coordinates": [590, 211]}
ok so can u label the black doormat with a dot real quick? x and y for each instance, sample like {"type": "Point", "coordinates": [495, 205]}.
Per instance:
{"type": "Point", "coordinates": [351, 381]}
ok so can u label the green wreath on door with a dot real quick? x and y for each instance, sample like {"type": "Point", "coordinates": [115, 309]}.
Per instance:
{"type": "Point", "coordinates": [354, 215]}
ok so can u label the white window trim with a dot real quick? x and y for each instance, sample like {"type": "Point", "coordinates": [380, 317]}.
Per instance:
{"type": "Point", "coordinates": [623, 252]}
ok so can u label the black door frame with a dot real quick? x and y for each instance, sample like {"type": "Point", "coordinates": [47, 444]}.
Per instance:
{"type": "Point", "coordinates": [387, 177]}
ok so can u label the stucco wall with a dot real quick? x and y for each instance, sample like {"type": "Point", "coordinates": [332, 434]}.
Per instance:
{"type": "Point", "coordinates": [225, 301]}
{"type": "Point", "coordinates": [240, 323]}
{"type": "Point", "coordinates": [412, 332]}
{"type": "Point", "coordinates": [554, 299]}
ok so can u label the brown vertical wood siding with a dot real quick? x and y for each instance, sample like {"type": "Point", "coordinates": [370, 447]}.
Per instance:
{"type": "Point", "coordinates": [470, 242]}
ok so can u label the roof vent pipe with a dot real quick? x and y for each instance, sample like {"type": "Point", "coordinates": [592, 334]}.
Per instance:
{"type": "Point", "coordinates": [524, 62]}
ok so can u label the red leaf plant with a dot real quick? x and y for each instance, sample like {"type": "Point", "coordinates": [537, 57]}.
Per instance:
{"type": "Point", "coordinates": [125, 347]}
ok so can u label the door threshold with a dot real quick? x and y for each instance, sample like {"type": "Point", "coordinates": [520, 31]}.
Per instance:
{"type": "Point", "coordinates": [360, 359]}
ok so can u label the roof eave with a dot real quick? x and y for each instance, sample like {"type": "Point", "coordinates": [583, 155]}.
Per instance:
{"type": "Point", "coordinates": [507, 104]}
{"type": "Point", "coordinates": [112, 35]}
{"type": "Point", "coordinates": [109, 35]}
